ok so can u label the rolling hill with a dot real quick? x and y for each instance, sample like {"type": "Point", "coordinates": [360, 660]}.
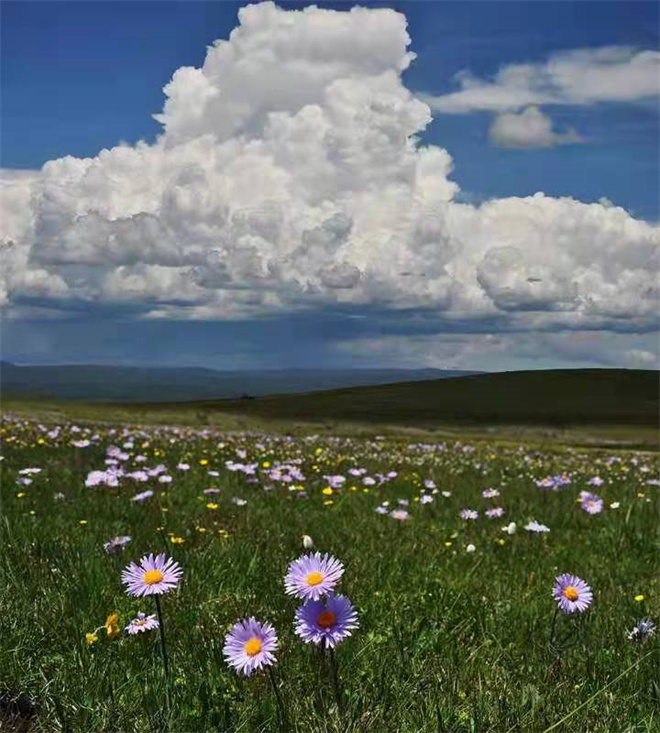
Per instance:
{"type": "Point", "coordinates": [543, 397]}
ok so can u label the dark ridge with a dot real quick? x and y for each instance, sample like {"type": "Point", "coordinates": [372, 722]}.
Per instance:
{"type": "Point", "coordinates": [546, 397]}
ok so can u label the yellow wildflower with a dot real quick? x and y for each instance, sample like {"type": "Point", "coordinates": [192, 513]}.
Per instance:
{"type": "Point", "coordinates": [112, 625]}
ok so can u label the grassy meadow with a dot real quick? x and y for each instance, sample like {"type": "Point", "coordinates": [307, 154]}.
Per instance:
{"type": "Point", "coordinates": [455, 615]}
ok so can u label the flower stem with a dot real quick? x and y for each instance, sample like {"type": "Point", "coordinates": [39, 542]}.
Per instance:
{"type": "Point", "coordinates": [163, 647]}
{"type": "Point", "coordinates": [553, 627]}
{"type": "Point", "coordinates": [284, 723]}
{"type": "Point", "coordinates": [335, 678]}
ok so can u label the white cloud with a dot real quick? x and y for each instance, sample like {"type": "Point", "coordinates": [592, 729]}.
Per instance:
{"type": "Point", "coordinates": [576, 77]}
{"type": "Point", "coordinates": [289, 176]}
{"type": "Point", "coordinates": [530, 128]}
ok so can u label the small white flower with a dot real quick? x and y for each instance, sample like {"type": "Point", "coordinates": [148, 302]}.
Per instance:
{"type": "Point", "coordinates": [510, 528]}
{"type": "Point", "coordinates": [615, 505]}
{"type": "Point", "coordinates": [307, 541]}
{"type": "Point", "coordinates": [470, 548]}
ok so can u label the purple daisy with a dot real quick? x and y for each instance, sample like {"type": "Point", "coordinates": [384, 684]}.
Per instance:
{"type": "Point", "coordinates": [153, 576]}
{"type": "Point", "coordinates": [572, 593]}
{"type": "Point", "coordinates": [143, 496]}
{"type": "Point", "coordinates": [141, 624]}
{"type": "Point", "coordinates": [591, 503]}
{"type": "Point", "coordinates": [642, 632]}
{"type": "Point", "coordinates": [326, 623]}
{"type": "Point", "coordinates": [400, 514]}
{"type": "Point", "coordinates": [116, 544]}
{"type": "Point", "coordinates": [250, 645]}
{"type": "Point", "coordinates": [312, 576]}
{"type": "Point", "coordinates": [469, 514]}
{"type": "Point", "coordinates": [495, 512]}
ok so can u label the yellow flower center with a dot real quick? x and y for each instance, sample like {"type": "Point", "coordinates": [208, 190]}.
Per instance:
{"type": "Point", "coordinates": [152, 576]}
{"type": "Point", "coordinates": [252, 646]}
{"type": "Point", "coordinates": [571, 593]}
{"type": "Point", "coordinates": [326, 619]}
{"type": "Point", "coordinates": [314, 578]}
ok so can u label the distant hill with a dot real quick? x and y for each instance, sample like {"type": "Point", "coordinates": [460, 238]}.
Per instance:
{"type": "Point", "coordinates": [94, 383]}
{"type": "Point", "coordinates": [543, 397]}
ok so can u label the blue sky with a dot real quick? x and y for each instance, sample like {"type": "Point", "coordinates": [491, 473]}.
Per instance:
{"type": "Point", "coordinates": [81, 76]}
{"type": "Point", "coordinates": [71, 87]}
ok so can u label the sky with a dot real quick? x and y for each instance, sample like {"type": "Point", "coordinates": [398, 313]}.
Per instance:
{"type": "Point", "coordinates": [451, 184]}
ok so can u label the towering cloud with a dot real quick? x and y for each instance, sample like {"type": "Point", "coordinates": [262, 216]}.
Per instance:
{"type": "Point", "coordinates": [289, 175]}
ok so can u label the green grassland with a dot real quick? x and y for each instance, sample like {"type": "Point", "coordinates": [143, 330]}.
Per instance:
{"type": "Point", "coordinates": [550, 397]}
{"type": "Point", "coordinates": [449, 640]}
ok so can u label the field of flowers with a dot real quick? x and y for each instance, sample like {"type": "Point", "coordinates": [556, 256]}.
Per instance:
{"type": "Point", "coordinates": [188, 580]}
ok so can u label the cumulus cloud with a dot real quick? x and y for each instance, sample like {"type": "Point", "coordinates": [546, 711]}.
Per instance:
{"type": "Point", "coordinates": [289, 176]}
{"type": "Point", "coordinates": [530, 128]}
{"type": "Point", "coordinates": [575, 77]}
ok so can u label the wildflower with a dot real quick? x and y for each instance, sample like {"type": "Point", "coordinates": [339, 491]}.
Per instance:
{"type": "Point", "coordinates": [143, 496]}
{"type": "Point", "coordinates": [615, 505]}
{"type": "Point", "coordinates": [490, 493]}
{"type": "Point", "coordinates": [495, 512]}
{"type": "Point", "coordinates": [141, 624]}
{"type": "Point", "coordinates": [381, 509]}
{"type": "Point", "coordinates": [91, 638]}
{"type": "Point", "coordinates": [591, 503]}
{"type": "Point", "coordinates": [400, 514]}
{"type": "Point", "coordinates": [177, 540]}
{"type": "Point", "coordinates": [307, 542]}
{"type": "Point", "coordinates": [639, 598]}
{"type": "Point", "coordinates": [326, 623]}
{"type": "Point", "coordinates": [470, 548]}
{"type": "Point", "coordinates": [536, 527]}
{"type": "Point", "coordinates": [116, 544]}
{"type": "Point", "coordinates": [312, 576]}
{"type": "Point", "coordinates": [642, 632]}
{"type": "Point", "coordinates": [239, 502]}
{"type": "Point", "coordinates": [211, 505]}
{"type": "Point", "coordinates": [112, 625]}
{"type": "Point", "coordinates": [425, 499]}
{"type": "Point", "coordinates": [510, 528]}
{"type": "Point", "coordinates": [250, 645]}
{"type": "Point", "coordinates": [469, 514]}
{"type": "Point", "coordinates": [446, 494]}
{"type": "Point", "coordinates": [154, 576]}
{"type": "Point", "coordinates": [572, 593]}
